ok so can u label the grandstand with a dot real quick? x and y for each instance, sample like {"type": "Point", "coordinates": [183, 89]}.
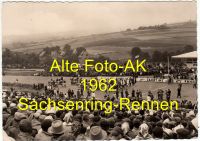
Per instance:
{"type": "Point", "coordinates": [190, 59]}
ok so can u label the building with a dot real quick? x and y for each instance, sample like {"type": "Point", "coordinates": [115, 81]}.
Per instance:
{"type": "Point", "coordinates": [190, 59]}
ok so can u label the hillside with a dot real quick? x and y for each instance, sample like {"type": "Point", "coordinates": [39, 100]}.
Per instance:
{"type": "Point", "coordinates": [119, 44]}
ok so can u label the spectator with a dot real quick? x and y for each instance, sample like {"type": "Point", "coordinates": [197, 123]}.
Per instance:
{"type": "Point", "coordinates": [143, 132]}
{"type": "Point", "coordinates": [44, 135]}
{"type": "Point", "coordinates": [157, 132]}
{"type": "Point", "coordinates": [57, 129]}
{"type": "Point", "coordinates": [25, 131]}
{"type": "Point", "coordinates": [96, 133]}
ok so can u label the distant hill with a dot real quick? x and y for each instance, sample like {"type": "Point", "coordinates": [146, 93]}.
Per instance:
{"type": "Point", "coordinates": [119, 44]}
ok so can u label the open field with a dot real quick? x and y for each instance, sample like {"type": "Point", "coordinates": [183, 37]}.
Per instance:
{"type": "Point", "coordinates": [173, 39]}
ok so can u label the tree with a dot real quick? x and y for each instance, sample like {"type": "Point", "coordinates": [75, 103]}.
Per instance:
{"type": "Point", "coordinates": [128, 29]}
{"type": "Point", "coordinates": [164, 56]}
{"type": "Point", "coordinates": [7, 57]}
{"type": "Point", "coordinates": [101, 58]}
{"type": "Point", "coordinates": [47, 50]}
{"type": "Point", "coordinates": [188, 48]}
{"type": "Point", "coordinates": [33, 59]}
{"type": "Point", "coordinates": [67, 50]}
{"type": "Point", "coordinates": [156, 56]}
{"type": "Point", "coordinates": [56, 48]}
{"type": "Point", "coordinates": [79, 50]}
{"type": "Point", "coordinates": [135, 51]}
{"type": "Point", "coordinates": [145, 55]}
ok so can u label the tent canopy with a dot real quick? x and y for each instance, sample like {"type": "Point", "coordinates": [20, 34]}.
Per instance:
{"type": "Point", "coordinates": [192, 54]}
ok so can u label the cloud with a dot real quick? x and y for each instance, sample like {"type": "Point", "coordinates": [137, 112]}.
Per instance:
{"type": "Point", "coordinates": [90, 18]}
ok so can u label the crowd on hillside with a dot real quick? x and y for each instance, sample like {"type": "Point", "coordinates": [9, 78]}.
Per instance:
{"type": "Point", "coordinates": [51, 125]}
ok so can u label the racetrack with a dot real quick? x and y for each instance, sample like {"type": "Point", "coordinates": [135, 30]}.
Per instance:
{"type": "Point", "coordinates": [188, 92]}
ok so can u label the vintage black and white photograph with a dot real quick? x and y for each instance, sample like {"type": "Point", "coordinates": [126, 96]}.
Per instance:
{"type": "Point", "coordinates": [99, 71]}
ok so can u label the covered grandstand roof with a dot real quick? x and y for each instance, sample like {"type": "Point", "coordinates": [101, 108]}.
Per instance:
{"type": "Point", "coordinates": [192, 54]}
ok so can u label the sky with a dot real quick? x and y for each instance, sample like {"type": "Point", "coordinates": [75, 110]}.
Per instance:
{"type": "Point", "coordinates": [84, 18]}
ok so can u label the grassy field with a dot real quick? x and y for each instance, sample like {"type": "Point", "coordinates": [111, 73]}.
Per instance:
{"type": "Point", "coordinates": [173, 39]}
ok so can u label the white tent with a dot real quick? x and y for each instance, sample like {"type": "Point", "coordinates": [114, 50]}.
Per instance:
{"type": "Point", "coordinates": [192, 54]}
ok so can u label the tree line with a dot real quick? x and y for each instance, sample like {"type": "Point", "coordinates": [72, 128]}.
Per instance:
{"type": "Point", "coordinates": [158, 56]}
{"type": "Point", "coordinates": [13, 59]}
{"type": "Point", "coordinates": [19, 59]}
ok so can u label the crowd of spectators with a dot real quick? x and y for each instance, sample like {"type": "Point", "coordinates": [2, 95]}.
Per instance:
{"type": "Point", "coordinates": [51, 125]}
{"type": "Point", "coordinates": [156, 70]}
